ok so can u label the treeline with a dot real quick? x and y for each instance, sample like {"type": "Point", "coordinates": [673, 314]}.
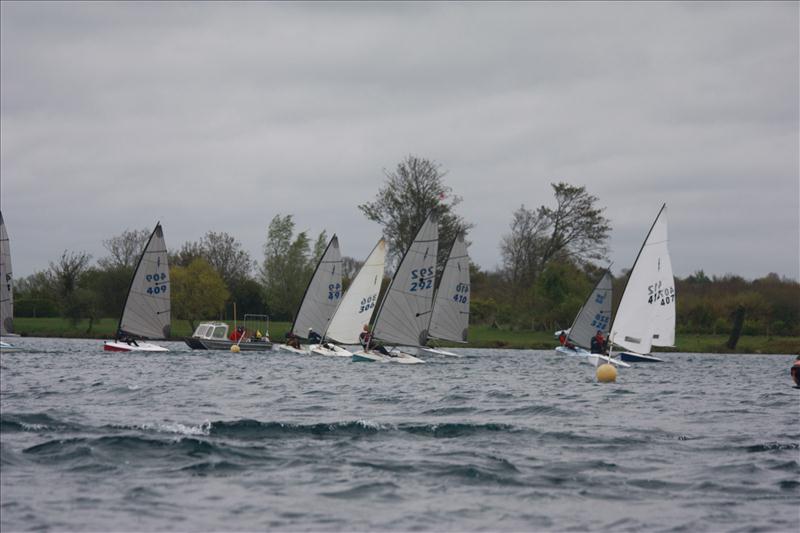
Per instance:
{"type": "Point", "coordinates": [551, 257]}
{"type": "Point", "coordinates": [771, 304]}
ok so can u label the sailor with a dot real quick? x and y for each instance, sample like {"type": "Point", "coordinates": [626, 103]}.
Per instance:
{"type": "Point", "coordinates": [292, 340]}
{"type": "Point", "coordinates": [598, 343]}
{"type": "Point", "coordinates": [368, 343]}
{"type": "Point", "coordinates": [795, 371]}
{"type": "Point", "coordinates": [314, 337]}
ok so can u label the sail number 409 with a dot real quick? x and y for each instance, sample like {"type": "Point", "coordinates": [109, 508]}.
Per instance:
{"type": "Point", "coordinates": [159, 283]}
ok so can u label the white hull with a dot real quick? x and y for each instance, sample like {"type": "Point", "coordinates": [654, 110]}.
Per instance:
{"type": "Point", "coordinates": [9, 348]}
{"type": "Point", "coordinates": [597, 360]}
{"type": "Point", "coordinates": [330, 350]}
{"type": "Point", "coordinates": [591, 358]}
{"type": "Point", "coordinates": [395, 357]}
{"type": "Point", "coordinates": [303, 350]}
{"type": "Point", "coordinates": [118, 346]}
{"type": "Point", "coordinates": [436, 351]}
{"type": "Point", "coordinates": [572, 352]}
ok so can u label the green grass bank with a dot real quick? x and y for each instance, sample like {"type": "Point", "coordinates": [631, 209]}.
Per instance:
{"type": "Point", "coordinates": [480, 336]}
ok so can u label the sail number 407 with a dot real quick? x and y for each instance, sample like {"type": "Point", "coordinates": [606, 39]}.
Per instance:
{"type": "Point", "coordinates": [657, 294]}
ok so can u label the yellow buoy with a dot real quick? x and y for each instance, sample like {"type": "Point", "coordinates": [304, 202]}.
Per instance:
{"type": "Point", "coordinates": [235, 348]}
{"type": "Point", "coordinates": [606, 373]}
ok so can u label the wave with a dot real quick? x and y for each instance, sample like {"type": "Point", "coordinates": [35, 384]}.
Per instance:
{"type": "Point", "coordinates": [16, 422]}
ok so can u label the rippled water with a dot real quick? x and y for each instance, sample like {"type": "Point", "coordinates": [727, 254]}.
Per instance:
{"type": "Point", "coordinates": [496, 440]}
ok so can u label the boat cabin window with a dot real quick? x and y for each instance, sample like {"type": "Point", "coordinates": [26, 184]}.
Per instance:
{"type": "Point", "coordinates": [201, 330]}
{"type": "Point", "coordinates": [220, 332]}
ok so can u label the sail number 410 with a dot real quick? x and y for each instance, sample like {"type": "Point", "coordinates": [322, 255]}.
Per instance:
{"type": "Point", "coordinates": [462, 289]}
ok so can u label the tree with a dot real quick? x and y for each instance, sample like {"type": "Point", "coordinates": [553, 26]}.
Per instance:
{"type": "Point", "coordinates": [198, 291]}
{"type": "Point", "coordinates": [288, 263]}
{"type": "Point", "coordinates": [411, 191]}
{"type": "Point", "coordinates": [350, 268]}
{"type": "Point", "coordinates": [225, 254]}
{"type": "Point", "coordinates": [576, 229]}
{"type": "Point", "coordinates": [66, 274]}
{"type": "Point", "coordinates": [125, 249]}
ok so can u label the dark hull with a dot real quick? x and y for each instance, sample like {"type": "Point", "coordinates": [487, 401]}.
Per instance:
{"type": "Point", "coordinates": [639, 358]}
{"type": "Point", "coordinates": [206, 344]}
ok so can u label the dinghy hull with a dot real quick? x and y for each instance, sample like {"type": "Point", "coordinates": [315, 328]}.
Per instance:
{"type": "Point", "coordinates": [330, 350]}
{"type": "Point", "coordinates": [118, 346]}
{"type": "Point", "coordinates": [631, 357]}
{"type": "Point", "coordinates": [395, 357]}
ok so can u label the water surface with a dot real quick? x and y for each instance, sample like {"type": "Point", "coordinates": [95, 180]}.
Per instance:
{"type": "Point", "coordinates": [496, 440]}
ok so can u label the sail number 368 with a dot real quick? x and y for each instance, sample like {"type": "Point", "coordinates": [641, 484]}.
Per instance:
{"type": "Point", "coordinates": [368, 303]}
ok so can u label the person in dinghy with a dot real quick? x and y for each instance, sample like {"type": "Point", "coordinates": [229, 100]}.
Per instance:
{"type": "Point", "coordinates": [599, 343]}
{"type": "Point", "coordinates": [365, 338]}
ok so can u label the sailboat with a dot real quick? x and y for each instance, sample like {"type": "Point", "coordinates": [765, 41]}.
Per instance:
{"type": "Point", "coordinates": [356, 306]}
{"type": "Point", "coordinates": [450, 315]}
{"type": "Point", "coordinates": [146, 313]}
{"type": "Point", "coordinates": [321, 298]}
{"type": "Point", "coordinates": [403, 316]}
{"type": "Point", "coordinates": [594, 315]}
{"type": "Point", "coordinates": [646, 313]}
{"type": "Point", "coordinates": [6, 291]}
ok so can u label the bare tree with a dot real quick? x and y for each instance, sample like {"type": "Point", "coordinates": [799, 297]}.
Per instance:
{"type": "Point", "coordinates": [576, 229]}
{"type": "Point", "coordinates": [66, 275]}
{"type": "Point", "coordinates": [124, 249]}
{"type": "Point", "coordinates": [225, 254]}
{"type": "Point", "coordinates": [411, 191]}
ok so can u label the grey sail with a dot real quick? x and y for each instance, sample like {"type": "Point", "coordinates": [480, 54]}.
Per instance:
{"type": "Point", "coordinates": [405, 311]}
{"type": "Point", "coordinates": [6, 289]}
{"type": "Point", "coordinates": [322, 294]}
{"type": "Point", "coordinates": [450, 316]}
{"type": "Point", "coordinates": [147, 308]}
{"type": "Point", "coordinates": [594, 315]}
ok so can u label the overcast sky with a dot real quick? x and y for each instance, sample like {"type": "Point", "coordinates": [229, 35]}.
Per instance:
{"type": "Point", "coordinates": [220, 116]}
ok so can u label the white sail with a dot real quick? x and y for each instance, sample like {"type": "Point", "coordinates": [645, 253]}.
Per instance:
{"type": "Point", "coordinates": [450, 315]}
{"type": "Point", "coordinates": [594, 315]}
{"type": "Point", "coordinates": [147, 308]}
{"type": "Point", "coordinates": [6, 287]}
{"type": "Point", "coordinates": [359, 302]}
{"type": "Point", "coordinates": [647, 307]}
{"type": "Point", "coordinates": [322, 294]}
{"type": "Point", "coordinates": [403, 315]}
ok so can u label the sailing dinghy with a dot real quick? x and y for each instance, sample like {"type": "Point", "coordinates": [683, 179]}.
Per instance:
{"type": "Point", "coordinates": [356, 306]}
{"type": "Point", "coordinates": [6, 291]}
{"type": "Point", "coordinates": [146, 313]}
{"type": "Point", "coordinates": [450, 315]}
{"type": "Point", "coordinates": [646, 313]}
{"type": "Point", "coordinates": [321, 298]}
{"type": "Point", "coordinates": [403, 316]}
{"type": "Point", "coordinates": [593, 316]}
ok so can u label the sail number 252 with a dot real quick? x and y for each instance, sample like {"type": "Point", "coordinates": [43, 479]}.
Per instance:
{"type": "Point", "coordinates": [421, 279]}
